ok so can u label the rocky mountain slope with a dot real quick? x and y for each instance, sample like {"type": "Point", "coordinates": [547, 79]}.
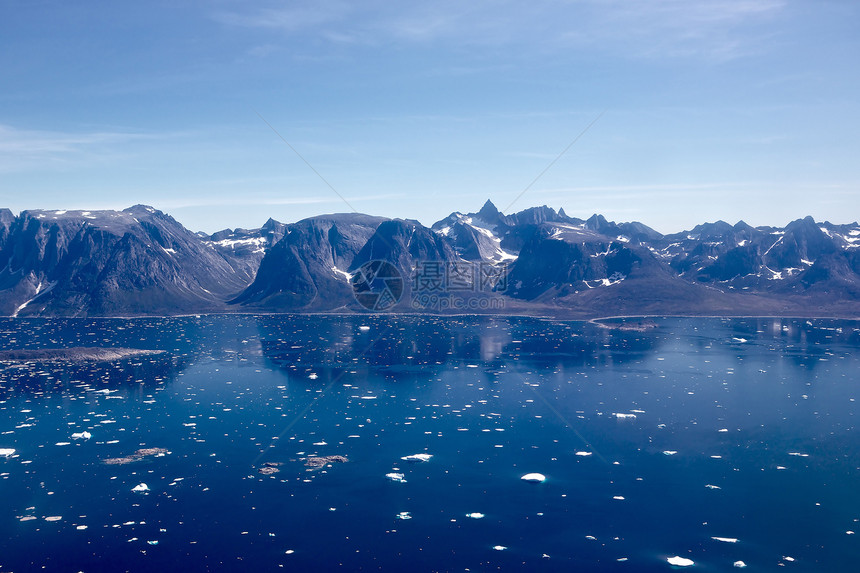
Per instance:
{"type": "Point", "coordinates": [142, 261]}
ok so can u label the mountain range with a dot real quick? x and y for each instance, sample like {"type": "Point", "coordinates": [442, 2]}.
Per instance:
{"type": "Point", "coordinates": [140, 261]}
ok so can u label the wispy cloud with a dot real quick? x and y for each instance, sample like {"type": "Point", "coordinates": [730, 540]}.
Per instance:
{"type": "Point", "coordinates": [26, 148]}
{"type": "Point", "coordinates": [721, 29]}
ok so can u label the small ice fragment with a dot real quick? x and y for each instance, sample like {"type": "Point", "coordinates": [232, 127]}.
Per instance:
{"type": "Point", "coordinates": [82, 435]}
{"type": "Point", "coordinates": [154, 542]}
{"type": "Point", "coordinates": [499, 547]}
{"type": "Point", "coordinates": [475, 515]}
{"type": "Point", "coordinates": [709, 486]}
{"type": "Point", "coordinates": [738, 339]}
{"type": "Point", "coordinates": [623, 416]}
{"type": "Point", "coordinates": [680, 561]}
{"type": "Point", "coordinates": [62, 443]}
{"type": "Point", "coordinates": [417, 458]}
{"type": "Point", "coordinates": [140, 488]}
{"type": "Point", "coordinates": [798, 454]}
{"type": "Point", "coordinates": [739, 564]}
{"type": "Point", "coordinates": [618, 497]}
{"type": "Point", "coordinates": [81, 527]}
{"type": "Point", "coordinates": [725, 539]}
{"type": "Point", "coordinates": [400, 478]}
{"type": "Point", "coordinates": [404, 515]}
{"type": "Point", "coordinates": [534, 478]}
{"type": "Point", "coordinates": [669, 452]}
{"type": "Point", "coordinates": [53, 518]}
{"type": "Point", "coordinates": [313, 376]}
{"type": "Point", "coordinates": [289, 551]}
{"type": "Point", "coordinates": [849, 532]}
{"type": "Point", "coordinates": [320, 443]}
{"type": "Point", "coordinates": [364, 328]}
{"type": "Point", "coordinates": [788, 558]}
{"type": "Point", "coordinates": [583, 454]}
{"type": "Point", "coordinates": [7, 452]}
{"type": "Point", "coordinates": [591, 537]}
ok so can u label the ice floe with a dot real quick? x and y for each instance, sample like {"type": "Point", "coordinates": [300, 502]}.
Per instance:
{"type": "Point", "coordinates": [7, 452]}
{"type": "Point", "coordinates": [739, 564]}
{"type": "Point", "coordinates": [680, 561]}
{"type": "Point", "coordinates": [534, 478]}
{"type": "Point", "coordinates": [725, 539]}
{"type": "Point", "coordinates": [140, 488]}
{"type": "Point", "coordinates": [622, 416]}
{"type": "Point", "coordinates": [404, 515]}
{"type": "Point", "coordinates": [499, 547]}
{"type": "Point", "coordinates": [396, 477]}
{"type": "Point", "coordinates": [82, 435]}
{"type": "Point", "coordinates": [475, 515]}
{"type": "Point", "coordinates": [669, 452]}
{"type": "Point", "coordinates": [417, 458]}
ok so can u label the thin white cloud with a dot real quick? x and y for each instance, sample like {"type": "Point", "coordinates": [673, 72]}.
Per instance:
{"type": "Point", "coordinates": [22, 149]}
{"type": "Point", "coordinates": [717, 29]}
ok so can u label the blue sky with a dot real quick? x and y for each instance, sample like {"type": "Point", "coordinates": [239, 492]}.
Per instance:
{"type": "Point", "coordinates": [713, 109]}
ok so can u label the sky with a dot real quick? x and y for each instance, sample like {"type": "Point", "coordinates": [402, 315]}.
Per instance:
{"type": "Point", "coordinates": [224, 113]}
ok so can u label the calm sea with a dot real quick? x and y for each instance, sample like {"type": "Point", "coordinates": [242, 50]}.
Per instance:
{"type": "Point", "coordinates": [715, 441]}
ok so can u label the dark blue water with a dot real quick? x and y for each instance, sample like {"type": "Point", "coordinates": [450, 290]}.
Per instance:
{"type": "Point", "coordinates": [762, 415]}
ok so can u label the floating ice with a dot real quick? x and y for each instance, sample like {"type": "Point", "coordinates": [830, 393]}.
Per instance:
{"type": "Point", "coordinates": [63, 443]}
{"type": "Point", "coordinates": [417, 458]}
{"type": "Point", "coordinates": [475, 515]}
{"type": "Point", "coordinates": [393, 476]}
{"type": "Point", "coordinates": [669, 452]}
{"type": "Point", "coordinates": [313, 376]}
{"type": "Point", "coordinates": [618, 497]}
{"type": "Point", "coordinates": [739, 564]}
{"type": "Point", "coordinates": [7, 452]}
{"type": "Point", "coordinates": [364, 328]}
{"type": "Point", "coordinates": [140, 488]}
{"type": "Point", "coordinates": [534, 478]}
{"type": "Point", "coordinates": [82, 435]}
{"type": "Point", "coordinates": [583, 453]}
{"type": "Point", "coordinates": [499, 547]}
{"type": "Point", "coordinates": [709, 486]}
{"type": "Point", "coordinates": [404, 515]}
{"type": "Point", "coordinates": [54, 518]}
{"type": "Point", "coordinates": [725, 539]}
{"type": "Point", "coordinates": [680, 561]}
{"type": "Point", "coordinates": [738, 339]}
{"type": "Point", "coordinates": [623, 416]}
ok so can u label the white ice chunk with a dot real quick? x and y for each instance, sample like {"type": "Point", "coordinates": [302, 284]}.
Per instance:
{"type": "Point", "coordinates": [669, 452]}
{"type": "Point", "coordinates": [623, 416]}
{"type": "Point", "coordinates": [534, 478]}
{"type": "Point", "coordinates": [7, 452]}
{"type": "Point", "coordinates": [499, 547]}
{"type": "Point", "coordinates": [82, 435]}
{"type": "Point", "coordinates": [404, 515]}
{"type": "Point", "coordinates": [739, 564]}
{"type": "Point", "coordinates": [725, 539]}
{"type": "Point", "coordinates": [417, 458]}
{"type": "Point", "coordinates": [140, 488]}
{"type": "Point", "coordinates": [364, 328]}
{"type": "Point", "coordinates": [475, 515]}
{"type": "Point", "coordinates": [680, 561]}
{"type": "Point", "coordinates": [583, 454]}
{"type": "Point", "coordinates": [400, 478]}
